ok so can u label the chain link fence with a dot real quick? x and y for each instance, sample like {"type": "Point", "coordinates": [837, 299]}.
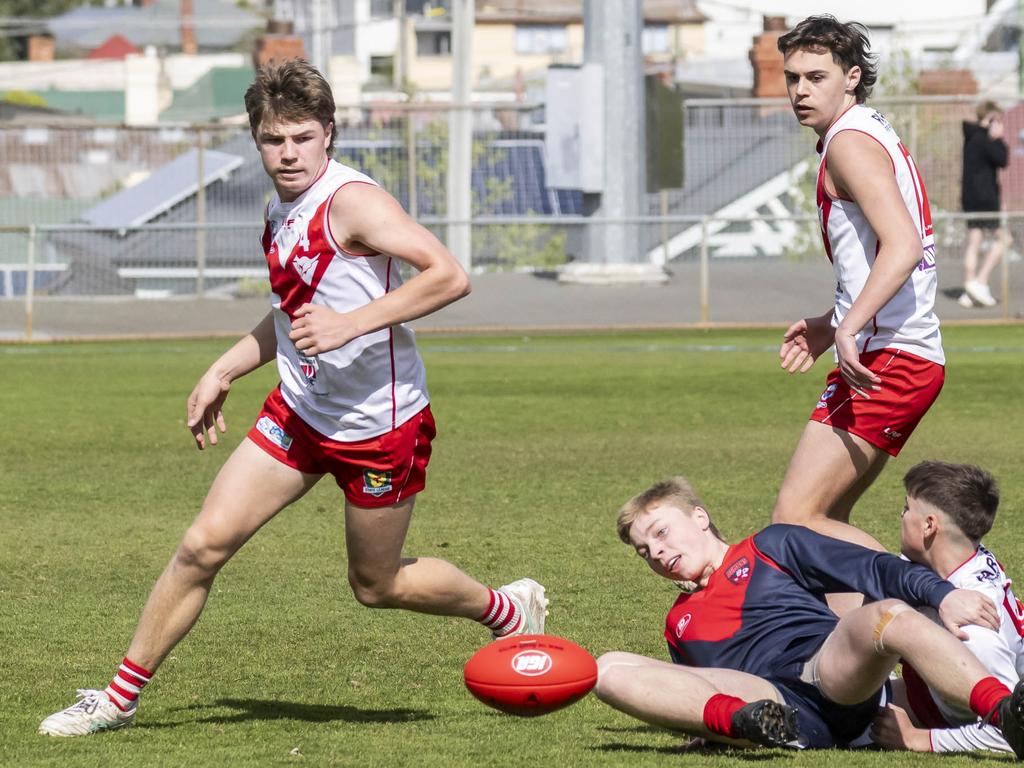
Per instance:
{"type": "Point", "coordinates": [104, 214]}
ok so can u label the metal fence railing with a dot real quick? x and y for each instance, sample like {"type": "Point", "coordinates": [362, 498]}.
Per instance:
{"type": "Point", "coordinates": [715, 258]}
{"type": "Point", "coordinates": [138, 214]}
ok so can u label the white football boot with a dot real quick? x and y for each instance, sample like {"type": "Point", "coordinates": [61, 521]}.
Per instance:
{"type": "Point", "coordinates": [93, 712]}
{"type": "Point", "coordinates": [981, 293]}
{"type": "Point", "coordinates": [528, 596]}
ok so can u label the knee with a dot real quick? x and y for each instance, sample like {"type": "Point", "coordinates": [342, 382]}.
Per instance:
{"type": "Point", "coordinates": [373, 592]}
{"type": "Point", "coordinates": [612, 671]}
{"type": "Point", "coordinates": [200, 552]}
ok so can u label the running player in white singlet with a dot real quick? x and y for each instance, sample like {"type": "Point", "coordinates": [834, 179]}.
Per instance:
{"type": "Point", "coordinates": [352, 401]}
{"type": "Point", "coordinates": [949, 508]}
{"type": "Point", "coordinates": [877, 232]}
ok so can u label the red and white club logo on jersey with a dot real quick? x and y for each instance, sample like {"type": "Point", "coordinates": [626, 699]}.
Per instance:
{"type": "Point", "coordinates": [682, 624]}
{"type": "Point", "coordinates": [531, 663]}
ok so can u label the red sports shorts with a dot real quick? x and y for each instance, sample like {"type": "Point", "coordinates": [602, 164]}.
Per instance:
{"type": "Point", "coordinates": [909, 386]}
{"type": "Point", "coordinates": [378, 472]}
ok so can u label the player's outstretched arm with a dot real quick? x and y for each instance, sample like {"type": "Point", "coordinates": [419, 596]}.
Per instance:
{"type": "Point", "coordinates": [862, 171]}
{"type": "Point", "coordinates": [805, 341]}
{"type": "Point", "coordinates": [364, 217]}
{"type": "Point", "coordinates": [204, 410]}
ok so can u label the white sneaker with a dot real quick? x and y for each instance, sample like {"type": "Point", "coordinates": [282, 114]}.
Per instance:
{"type": "Point", "coordinates": [93, 712]}
{"type": "Point", "coordinates": [965, 301]}
{"type": "Point", "coordinates": [980, 293]}
{"type": "Point", "coordinates": [528, 596]}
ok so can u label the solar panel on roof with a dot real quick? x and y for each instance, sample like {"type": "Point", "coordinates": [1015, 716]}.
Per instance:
{"type": "Point", "coordinates": [167, 186]}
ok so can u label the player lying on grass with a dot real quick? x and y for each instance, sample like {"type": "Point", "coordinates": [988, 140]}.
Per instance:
{"type": "Point", "coordinates": [352, 401]}
{"type": "Point", "coordinates": [758, 656]}
{"type": "Point", "coordinates": [949, 508]}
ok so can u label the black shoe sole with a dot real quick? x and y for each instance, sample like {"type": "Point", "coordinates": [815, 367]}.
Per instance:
{"type": "Point", "coordinates": [767, 723]}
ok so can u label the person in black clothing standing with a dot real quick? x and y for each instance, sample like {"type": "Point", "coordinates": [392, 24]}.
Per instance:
{"type": "Point", "coordinates": [985, 153]}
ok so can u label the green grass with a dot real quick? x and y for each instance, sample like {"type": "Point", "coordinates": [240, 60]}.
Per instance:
{"type": "Point", "coordinates": [540, 440]}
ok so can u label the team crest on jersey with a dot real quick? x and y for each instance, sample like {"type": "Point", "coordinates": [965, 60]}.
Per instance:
{"type": "Point", "coordinates": [306, 266]}
{"type": "Point", "coordinates": [891, 434]}
{"type": "Point", "coordinates": [739, 571]}
{"type": "Point", "coordinates": [682, 624]}
{"type": "Point", "coordinates": [376, 482]}
{"type": "Point", "coordinates": [829, 391]}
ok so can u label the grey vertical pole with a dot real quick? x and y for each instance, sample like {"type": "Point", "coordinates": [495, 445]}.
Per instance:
{"type": "Point", "coordinates": [317, 35]}
{"type": "Point", "coordinates": [200, 215]}
{"type": "Point", "coordinates": [460, 134]}
{"type": "Point", "coordinates": [30, 281]}
{"type": "Point", "coordinates": [612, 37]}
{"type": "Point", "coordinates": [614, 249]}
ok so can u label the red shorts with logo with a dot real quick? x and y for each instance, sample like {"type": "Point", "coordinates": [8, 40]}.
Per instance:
{"type": "Point", "coordinates": [909, 386]}
{"type": "Point", "coordinates": [378, 472]}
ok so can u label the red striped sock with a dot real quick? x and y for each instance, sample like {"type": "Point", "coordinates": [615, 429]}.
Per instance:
{"type": "Point", "coordinates": [985, 697]}
{"type": "Point", "coordinates": [718, 712]}
{"type": "Point", "coordinates": [127, 684]}
{"type": "Point", "coordinates": [502, 615]}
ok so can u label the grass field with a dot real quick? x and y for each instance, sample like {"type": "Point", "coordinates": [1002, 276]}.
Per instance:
{"type": "Point", "coordinates": [540, 440]}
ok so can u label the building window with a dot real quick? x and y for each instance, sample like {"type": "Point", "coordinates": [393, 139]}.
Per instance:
{"type": "Point", "coordinates": [433, 43]}
{"type": "Point", "coordinates": [382, 9]}
{"type": "Point", "coordinates": [382, 69]}
{"type": "Point", "coordinates": [655, 39]}
{"type": "Point", "coordinates": [540, 39]}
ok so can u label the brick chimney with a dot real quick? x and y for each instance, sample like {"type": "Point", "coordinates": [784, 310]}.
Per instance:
{"type": "Point", "coordinates": [766, 59]}
{"type": "Point", "coordinates": [188, 30]}
{"type": "Point", "coordinates": [944, 82]}
{"type": "Point", "coordinates": [40, 48]}
{"type": "Point", "coordinates": [279, 43]}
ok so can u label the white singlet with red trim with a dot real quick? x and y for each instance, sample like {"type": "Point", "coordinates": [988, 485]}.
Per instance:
{"type": "Point", "coordinates": [374, 383]}
{"type": "Point", "coordinates": [908, 320]}
{"type": "Point", "coordinates": [1001, 653]}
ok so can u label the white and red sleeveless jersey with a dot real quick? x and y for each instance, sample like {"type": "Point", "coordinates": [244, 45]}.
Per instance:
{"type": "Point", "coordinates": [1001, 653]}
{"type": "Point", "coordinates": [908, 320]}
{"type": "Point", "coordinates": [374, 383]}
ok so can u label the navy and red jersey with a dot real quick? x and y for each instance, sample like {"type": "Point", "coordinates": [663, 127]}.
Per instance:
{"type": "Point", "coordinates": [764, 612]}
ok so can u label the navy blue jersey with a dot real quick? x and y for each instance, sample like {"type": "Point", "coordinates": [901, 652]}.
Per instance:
{"type": "Point", "coordinates": [764, 612]}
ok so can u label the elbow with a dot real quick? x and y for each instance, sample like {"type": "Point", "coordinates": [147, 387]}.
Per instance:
{"type": "Point", "coordinates": [459, 285]}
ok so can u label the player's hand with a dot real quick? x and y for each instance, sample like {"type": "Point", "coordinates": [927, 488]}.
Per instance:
{"type": "Point", "coordinates": [967, 606]}
{"type": "Point", "coordinates": [861, 380]}
{"type": "Point", "coordinates": [892, 729]}
{"type": "Point", "coordinates": [203, 412]}
{"type": "Point", "coordinates": [317, 329]}
{"type": "Point", "coordinates": [996, 129]}
{"type": "Point", "coordinates": [804, 342]}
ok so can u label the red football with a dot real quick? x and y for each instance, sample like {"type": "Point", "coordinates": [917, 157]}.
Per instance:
{"type": "Point", "coordinates": [530, 675]}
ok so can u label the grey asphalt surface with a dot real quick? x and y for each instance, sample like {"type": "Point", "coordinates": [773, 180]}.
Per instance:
{"type": "Point", "coordinates": [741, 292]}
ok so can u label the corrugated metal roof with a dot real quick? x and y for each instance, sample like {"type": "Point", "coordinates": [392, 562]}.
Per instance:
{"type": "Point", "coordinates": [218, 93]}
{"type": "Point", "coordinates": [164, 188]}
{"type": "Point", "coordinates": [216, 23]}
{"type": "Point", "coordinates": [566, 11]}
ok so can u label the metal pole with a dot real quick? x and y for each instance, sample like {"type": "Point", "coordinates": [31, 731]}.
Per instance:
{"type": "Point", "coordinates": [612, 35]}
{"type": "Point", "coordinates": [200, 215]}
{"type": "Point", "coordinates": [30, 281]}
{"type": "Point", "coordinates": [460, 134]}
{"type": "Point", "coordinates": [316, 33]}
{"type": "Point", "coordinates": [705, 300]}
{"type": "Point", "coordinates": [410, 154]}
{"type": "Point", "coordinates": [663, 194]}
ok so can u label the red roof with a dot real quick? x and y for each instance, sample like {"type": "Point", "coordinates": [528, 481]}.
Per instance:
{"type": "Point", "coordinates": [116, 47]}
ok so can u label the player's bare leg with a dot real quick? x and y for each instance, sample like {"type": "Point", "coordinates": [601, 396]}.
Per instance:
{"type": "Point", "coordinates": [381, 578]}
{"type": "Point", "coordinates": [994, 255]}
{"type": "Point", "coordinates": [865, 646]}
{"type": "Point", "coordinates": [673, 696]}
{"type": "Point", "coordinates": [249, 490]}
{"type": "Point", "coordinates": [974, 240]}
{"type": "Point", "coordinates": [829, 471]}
